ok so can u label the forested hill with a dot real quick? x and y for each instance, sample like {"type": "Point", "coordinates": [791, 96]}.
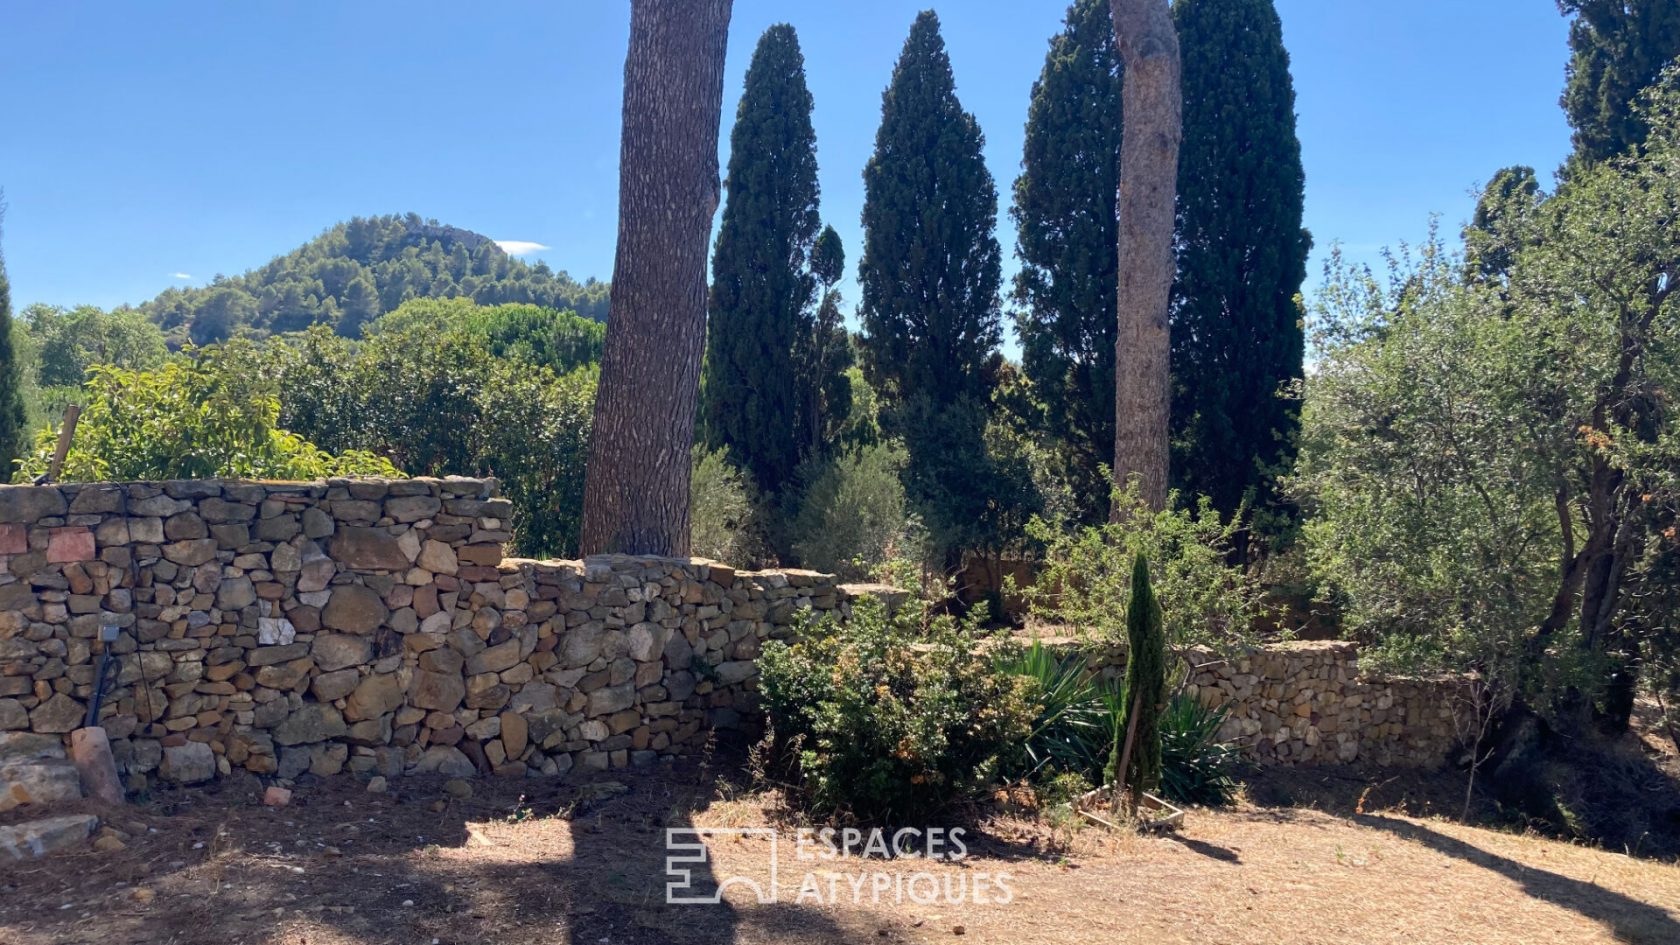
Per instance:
{"type": "Point", "coordinates": [357, 271]}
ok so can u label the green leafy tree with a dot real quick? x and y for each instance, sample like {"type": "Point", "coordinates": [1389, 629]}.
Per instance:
{"type": "Point", "coordinates": [762, 286]}
{"type": "Point", "coordinates": [1617, 49]}
{"type": "Point", "coordinates": [1085, 578]}
{"type": "Point", "coordinates": [428, 389]}
{"type": "Point", "coordinates": [1066, 233]}
{"type": "Point", "coordinates": [13, 429]}
{"type": "Point", "coordinates": [853, 518]}
{"type": "Point", "coordinates": [930, 276]}
{"type": "Point", "coordinates": [212, 412]}
{"type": "Point", "coordinates": [532, 434]}
{"type": "Point", "coordinates": [722, 502]}
{"type": "Point", "coordinates": [1501, 210]}
{"type": "Point", "coordinates": [70, 341]}
{"type": "Point", "coordinates": [1534, 431]}
{"type": "Point", "coordinates": [1237, 334]}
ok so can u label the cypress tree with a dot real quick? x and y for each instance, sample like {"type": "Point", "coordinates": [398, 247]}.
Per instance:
{"type": "Point", "coordinates": [1237, 332]}
{"type": "Point", "coordinates": [1146, 688]}
{"type": "Point", "coordinates": [1617, 50]}
{"type": "Point", "coordinates": [824, 353]}
{"type": "Point", "coordinates": [1066, 232]}
{"type": "Point", "coordinates": [930, 276]}
{"type": "Point", "coordinates": [762, 286]}
{"type": "Point", "coordinates": [13, 420]}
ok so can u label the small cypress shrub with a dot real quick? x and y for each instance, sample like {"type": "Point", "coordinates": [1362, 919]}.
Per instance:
{"type": "Point", "coordinates": [1146, 688]}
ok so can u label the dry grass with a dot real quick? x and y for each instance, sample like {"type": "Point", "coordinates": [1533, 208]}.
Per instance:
{"type": "Point", "coordinates": [343, 866]}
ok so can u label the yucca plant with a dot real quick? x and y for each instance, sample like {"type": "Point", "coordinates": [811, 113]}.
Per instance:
{"type": "Point", "coordinates": [1074, 724]}
{"type": "Point", "coordinates": [1196, 767]}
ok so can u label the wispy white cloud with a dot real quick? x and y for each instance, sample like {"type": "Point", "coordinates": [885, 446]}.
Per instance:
{"type": "Point", "coordinates": [519, 247]}
{"type": "Point", "coordinates": [181, 275]}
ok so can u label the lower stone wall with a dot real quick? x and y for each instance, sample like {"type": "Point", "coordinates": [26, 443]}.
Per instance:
{"type": "Point", "coordinates": [1308, 702]}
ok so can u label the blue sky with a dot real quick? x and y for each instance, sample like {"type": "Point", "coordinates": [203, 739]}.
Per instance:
{"type": "Point", "coordinates": [157, 144]}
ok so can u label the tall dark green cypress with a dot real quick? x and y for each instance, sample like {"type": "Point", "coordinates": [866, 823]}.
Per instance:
{"type": "Point", "coordinates": [13, 420]}
{"type": "Point", "coordinates": [762, 286]}
{"type": "Point", "coordinates": [1617, 49]}
{"type": "Point", "coordinates": [930, 276]}
{"type": "Point", "coordinates": [1066, 233]}
{"type": "Point", "coordinates": [1237, 333]}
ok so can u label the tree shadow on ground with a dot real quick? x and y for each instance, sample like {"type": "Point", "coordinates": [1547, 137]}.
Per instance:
{"type": "Point", "coordinates": [517, 862]}
{"type": "Point", "coordinates": [1628, 918]}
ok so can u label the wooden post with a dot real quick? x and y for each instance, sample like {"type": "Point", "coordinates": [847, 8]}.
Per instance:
{"type": "Point", "coordinates": [66, 432]}
{"type": "Point", "coordinates": [1126, 756]}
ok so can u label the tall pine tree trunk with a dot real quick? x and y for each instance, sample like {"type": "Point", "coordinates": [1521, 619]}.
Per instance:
{"type": "Point", "coordinates": [636, 489]}
{"type": "Point", "coordinates": [1151, 103]}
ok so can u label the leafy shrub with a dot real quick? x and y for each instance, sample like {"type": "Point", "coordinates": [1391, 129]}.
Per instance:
{"type": "Point", "coordinates": [890, 718]}
{"type": "Point", "coordinates": [720, 514]}
{"type": "Point", "coordinates": [426, 388]}
{"type": "Point", "coordinates": [533, 435]}
{"type": "Point", "coordinates": [853, 518]}
{"type": "Point", "coordinates": [1085, 580]}
{"type": "Point", "coordinates": [211, 412]}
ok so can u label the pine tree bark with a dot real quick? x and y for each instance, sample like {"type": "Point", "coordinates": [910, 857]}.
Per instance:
{"type": "Point", "coordinates": [1153, 118]}
{"type": "Point", "coordinates": [636, 486]}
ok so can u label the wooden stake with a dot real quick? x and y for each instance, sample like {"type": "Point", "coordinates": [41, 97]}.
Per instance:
{"type": "Point", "coordinates": [66, 432]}
{"type": "Point", "coordinates": [1126, 755]}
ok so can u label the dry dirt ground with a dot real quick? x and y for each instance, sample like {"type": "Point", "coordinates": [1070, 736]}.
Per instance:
{"type": "Point", "coordinates": [1320, 857]}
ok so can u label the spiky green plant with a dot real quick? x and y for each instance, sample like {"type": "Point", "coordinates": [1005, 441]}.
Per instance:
{"type": "Point", "coordinates": [1074, 725]}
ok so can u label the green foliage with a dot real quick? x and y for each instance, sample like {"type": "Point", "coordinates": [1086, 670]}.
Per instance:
{"type": "Point", "coordinates": [559, 341]}
{"type": "Point", "coordinates": [1076, 715]}
{"type": "Point", "coordinates": [1415, 386]}
{"type": "Point", "coordinates": [1066, 232]}
{"type": "Point", "coordinates": [1146, 689]}
{"type": "Point", "coordinates": [930, 275]}
{"type": "Point", "coordinates": [853, 517]}
{"type": "Point", "coordinates": [1086, 578]}
{"type": "Point", "coordinates": [1237, 337]}
{"type": "Point", "coordinates": [13, 431]}
{"type": "Point", "coordinates": [69, 341]}
{"type": "Point", "coordinates": [532, 434]}
{"type": "Point", "coordinates": [762, 285]}
{"type": "Point", "coordinates": [823, 358]}
{"type": "Point", "coordinates": [211, 412]}
{"type": "Point", "coordinates": [1078, 718]}
{"type": "Point", "coordinates": [356, 271]}
{"type": "Point", "coordinates": [1618, 48]}
{"type": "Point", "coordinates": [930, 268]}
{"type": "Point", "coordinates": [1196, 767]}
{"type": "Point", "coordinates": [1505, 203]}
{"type": "Point", "coordinates": [1491, 468]}
{"type": "Point", "coordinates": [427, 388]}
{"type": "Point", "coordinates": [722, 506]}
{"type": "Point", "coordinates": [889, 719]}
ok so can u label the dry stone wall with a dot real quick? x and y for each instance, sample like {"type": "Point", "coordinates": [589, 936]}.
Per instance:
{"type": "Point", "coordinates": [365, 625]}
{"type": "Point", "coordinates": [1308, 702]}
{"type": "Point", "coordinates": [374, 626]}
